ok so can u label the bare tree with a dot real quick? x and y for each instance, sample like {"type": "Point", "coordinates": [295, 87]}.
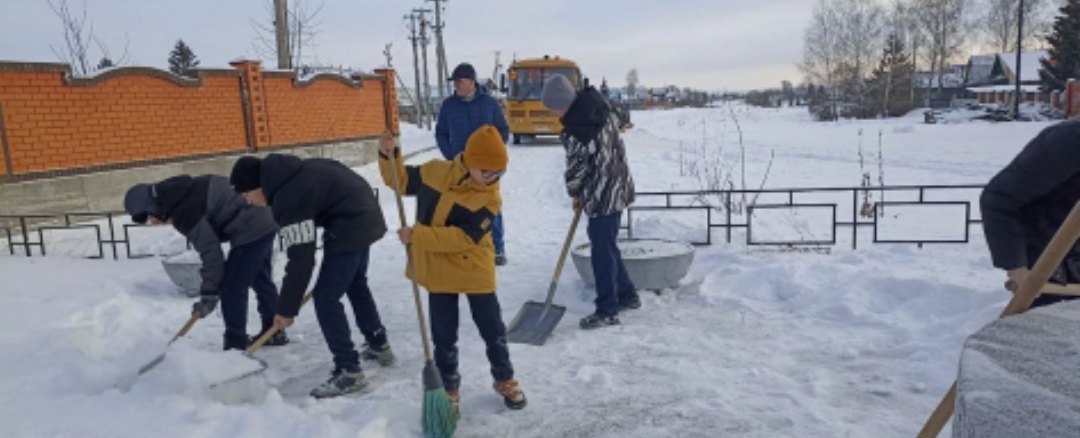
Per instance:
{"type": "Point", "coordinates": [999, 22]}
{"type": "Point", "coordinates": [632, 81]}
{"type": "Point", "coordinates": [944, 22]}
{"type": "Point", "coordinates": [79, 41]}
{"type": "Point", "coordinates": [303, 29]}
{"type": "Point", "coordinates": [821, 50]}
{"type": "Point", "coordinates": [859, 37]}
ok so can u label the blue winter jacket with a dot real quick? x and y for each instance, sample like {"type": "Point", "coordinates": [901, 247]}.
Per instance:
{"type": "Point", "coordinates": [458, 119]}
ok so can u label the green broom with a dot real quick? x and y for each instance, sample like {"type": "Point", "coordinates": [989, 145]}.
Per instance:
{"type": "Point", "coordinates": [439, 419]}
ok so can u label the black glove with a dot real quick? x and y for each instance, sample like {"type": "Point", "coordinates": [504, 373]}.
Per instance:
{"type": "Point", "coordinates": [205, 305]}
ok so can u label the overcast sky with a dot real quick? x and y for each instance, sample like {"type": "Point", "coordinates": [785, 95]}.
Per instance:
{"type": "Point", "coordinates": [709, 44]}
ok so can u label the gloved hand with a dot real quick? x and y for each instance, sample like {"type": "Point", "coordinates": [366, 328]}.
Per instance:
{"type": "Point", "coordinates": [205, 305]}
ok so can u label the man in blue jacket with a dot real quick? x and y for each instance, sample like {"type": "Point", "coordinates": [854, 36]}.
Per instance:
{"type": "Point", "coordinates": [469, 108]}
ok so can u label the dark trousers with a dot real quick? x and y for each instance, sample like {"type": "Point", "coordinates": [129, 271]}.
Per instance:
{"type": "Point", "coordinates": [612, 281]}
{"type": "Point", "coordinates": [497, 234]}
{"type": "Point", "coordinates": [443, 311]}
{"type": "Point", "coordinates": [345, 274]}
{"type": "Point", "coordinates": [248, 267]}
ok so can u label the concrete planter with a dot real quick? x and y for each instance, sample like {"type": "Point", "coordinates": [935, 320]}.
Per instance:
{"type": "Point", "coordinates": [183, 270]}
{"type": "Point", "coordinates": [652, 264]}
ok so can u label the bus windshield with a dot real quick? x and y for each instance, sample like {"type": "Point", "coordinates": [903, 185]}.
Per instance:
{"type": "Point", "coordinates": [526, 83]}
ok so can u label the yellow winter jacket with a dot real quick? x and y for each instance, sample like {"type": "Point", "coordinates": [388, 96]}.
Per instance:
{"type": "Point", "coordinates": [452, 246]}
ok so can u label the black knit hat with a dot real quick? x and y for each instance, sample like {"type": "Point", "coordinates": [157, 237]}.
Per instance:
{"type": "Point", "coordinates": [245, 174]}
{"type": "Point", "coordinates": [463, 71]}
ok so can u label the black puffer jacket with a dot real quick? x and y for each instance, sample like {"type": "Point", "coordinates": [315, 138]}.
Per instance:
{"type": "Point", "coordinates": [208, 212]}
{"type": "Point", "coordinates": [1025, 204]}
{"type": "Point", "coordinates": [596, 167]}
{"type": "Point", "coordinates": [305, 194]}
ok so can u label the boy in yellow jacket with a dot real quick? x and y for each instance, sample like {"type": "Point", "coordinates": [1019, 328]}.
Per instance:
{"type": "Point", "coordinates": [453, 252]}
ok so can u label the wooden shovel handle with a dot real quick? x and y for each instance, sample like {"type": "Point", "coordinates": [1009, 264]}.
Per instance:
{"type": "Point", "coordinates": [187, 327]}
{"type": "Point", "coordinates": [255, 346]}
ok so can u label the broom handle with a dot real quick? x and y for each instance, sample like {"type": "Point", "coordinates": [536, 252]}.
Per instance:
{"type": "Point", "coordinates": [408, 255]}
{"type": "Point", "coordinates": [255, 346]}
{"type": "Point", "coordinates": [1050, 259]}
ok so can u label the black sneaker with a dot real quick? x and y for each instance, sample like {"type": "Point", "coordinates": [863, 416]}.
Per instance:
{"type": "Point", "coordinates": [342, 382]}
{"type": "Point", "coordinates": [597, 321]}
{"type": "Point", "coordinates": [629, 302]}
{"type": "Point", "coordinates": [383, 355]}
{"type": "Point", "coordinates": [500, 258]}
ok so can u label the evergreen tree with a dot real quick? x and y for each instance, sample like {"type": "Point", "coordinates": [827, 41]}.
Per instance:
{"type": "Point", "coordinates": [182, 59]}
{"type": "Point", "coordinates": [890, 82]}
{"type": "Point", "coordinates": [105, 63]}
{"type": "Point", "coordinates": [1064, 61]}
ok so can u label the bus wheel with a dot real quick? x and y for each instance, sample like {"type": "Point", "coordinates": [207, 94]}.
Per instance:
{"type": "Point", "coordinates": [517, 139]}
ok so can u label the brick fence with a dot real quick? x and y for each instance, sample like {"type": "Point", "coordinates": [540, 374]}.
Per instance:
{"type": "Point", "coordinates": [53, 124]}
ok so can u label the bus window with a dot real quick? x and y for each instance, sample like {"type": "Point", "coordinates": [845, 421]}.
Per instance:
{"type": "Point", "coordinates": [526, 83]}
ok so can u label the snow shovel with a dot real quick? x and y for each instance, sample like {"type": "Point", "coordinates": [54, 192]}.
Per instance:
{"type": "Point", "coordinates": [535, 322]}
{"type": "Point", "coordinates": [161, 357]}
{"type": "Point", "coordinates": [255, 346]}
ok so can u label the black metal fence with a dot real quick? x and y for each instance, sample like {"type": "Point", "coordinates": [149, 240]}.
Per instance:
{"type": "Point", "coordinates": [29, 231]}
{"type": "Point", "coordinates": [736, 214]}
{"type": "Point", "coordinates": [25, 232]}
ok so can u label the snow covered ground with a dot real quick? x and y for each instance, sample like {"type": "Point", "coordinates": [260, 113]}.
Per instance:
{"type": "Point", "coordinates": [757, 343]}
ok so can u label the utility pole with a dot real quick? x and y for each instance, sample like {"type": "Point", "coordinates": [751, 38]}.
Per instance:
{"type": "Point", "coordinates": [281, 31]}
{"type": "Point", "coordinates": [440, 50]}
{"type": "Point", "coordinates": [495, 72]}
{"type": "Point", "coordinates": [1019, 48]}
{"type": "Point", "coordinates": [418, 103]}
{"type": "Point", "coordinates": [425, 94]}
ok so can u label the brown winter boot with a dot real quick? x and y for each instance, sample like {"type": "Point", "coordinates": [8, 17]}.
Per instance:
{"type": "Point", "coordinates": [455, 401]}
{"type": "Point", "coordinates": [513, 396]}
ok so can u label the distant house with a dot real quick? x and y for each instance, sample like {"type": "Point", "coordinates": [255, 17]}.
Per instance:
{"type": "Point", "coordinates": [940, 90]}
{"type": "Point", "coordinates": [992, 78]}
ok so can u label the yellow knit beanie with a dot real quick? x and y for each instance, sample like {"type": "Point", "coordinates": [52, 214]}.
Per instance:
{"type": "Point", "coordinates": [485, 150]}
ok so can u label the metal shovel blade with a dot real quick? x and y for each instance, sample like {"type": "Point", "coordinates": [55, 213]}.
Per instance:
{"type": "Point", "coordinates": [153, 363]}
{"type": "Point", "coordinates": [261, 369]}
{"type": "Point", "coordinates": [534, 323]}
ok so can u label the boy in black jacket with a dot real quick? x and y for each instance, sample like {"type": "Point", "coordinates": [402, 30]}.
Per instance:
{"type": "Point", "coordinates": [305, 194]}
{"type": "Point", "coordinates": [207, 211]}
{"type": "Point", "coordinates": [1025, 204]}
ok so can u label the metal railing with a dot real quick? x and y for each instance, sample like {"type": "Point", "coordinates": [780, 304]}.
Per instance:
{"type": "Point", "coordinates": [726, 205]}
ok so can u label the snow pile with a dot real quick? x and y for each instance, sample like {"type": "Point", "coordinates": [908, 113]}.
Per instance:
{"type": "Point", "coordinates": [1018, 376]}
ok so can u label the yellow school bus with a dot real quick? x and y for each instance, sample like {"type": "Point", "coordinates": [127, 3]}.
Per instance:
{"type": "Point", "coordinates": [525, 114]}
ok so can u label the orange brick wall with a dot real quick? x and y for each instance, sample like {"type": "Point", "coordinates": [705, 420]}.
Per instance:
{"type": "Point", "coordinates": [52, 122]}
{"type": "Point", "coordinates": [124, 115]}
{"type": "Point", "coordinates": [323, 109]}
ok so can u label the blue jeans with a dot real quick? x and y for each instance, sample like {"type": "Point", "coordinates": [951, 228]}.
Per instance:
{"type": "Point", "coordinates": [248, 267]}
{"type": "Point", "coordinates": [612, 280]}
{"type": "Point", "coordinates": [345, 274]}
{"type": "Point", "coordinates": [497, 234]}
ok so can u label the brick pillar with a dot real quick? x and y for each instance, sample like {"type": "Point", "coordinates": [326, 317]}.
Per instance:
{"type": "Point", "coordinates": [8, 171]}
{"type": "Point", "coordinates": [390, 101]}
{"type": "Point", "coordinates": [254, 97]}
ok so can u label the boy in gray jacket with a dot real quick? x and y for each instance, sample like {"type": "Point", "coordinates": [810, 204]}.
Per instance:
{"type": "Point", "coordinates": [207, 211]}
